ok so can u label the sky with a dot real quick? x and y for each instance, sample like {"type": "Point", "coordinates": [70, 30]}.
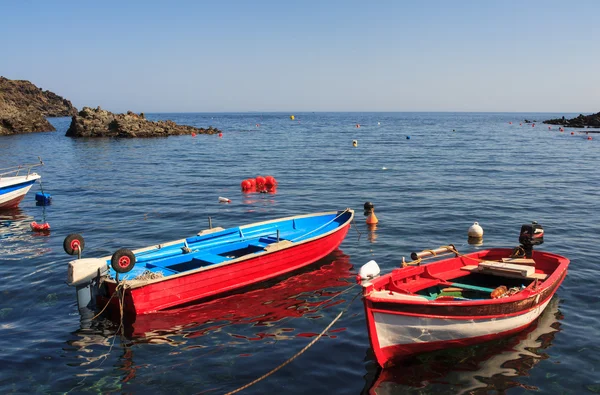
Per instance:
{"type": "Point", "coordinates": [229, 56]}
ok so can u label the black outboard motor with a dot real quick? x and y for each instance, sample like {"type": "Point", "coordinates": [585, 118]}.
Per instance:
{"type": "Point", "coordinates": [531, 235]}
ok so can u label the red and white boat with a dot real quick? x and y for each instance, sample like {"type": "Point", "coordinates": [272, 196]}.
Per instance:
{"type": "Point", "coordinates": [458, 301]}
{"type": "Point", "coordinates": [14, 184]}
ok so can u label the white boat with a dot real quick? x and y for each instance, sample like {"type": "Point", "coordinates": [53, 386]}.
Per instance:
{"type": "Point", "coordinates": [15, 182]}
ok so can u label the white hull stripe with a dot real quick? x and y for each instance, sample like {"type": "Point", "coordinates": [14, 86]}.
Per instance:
{"type": "Point", "coordinates": [395, 329]}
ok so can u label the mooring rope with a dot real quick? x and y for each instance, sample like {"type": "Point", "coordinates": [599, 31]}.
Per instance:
{"type": "Point", "coordinates": [299, 352]}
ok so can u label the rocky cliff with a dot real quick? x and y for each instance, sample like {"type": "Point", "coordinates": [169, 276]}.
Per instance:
{"type": "Point", "coordinates": [582, 121]}
{"type": "Point", "coordinates": [24, 106]}
{"type": "Point", "coordinates": [96, 122]}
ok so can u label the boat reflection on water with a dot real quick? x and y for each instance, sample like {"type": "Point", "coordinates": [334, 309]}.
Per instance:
{"type": "Point", "coordinates": [293, 296]}
{"type": "Point", "coordinates": [485, 368]}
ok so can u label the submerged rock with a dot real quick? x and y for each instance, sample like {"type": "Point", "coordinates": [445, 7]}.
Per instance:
{"type": "Point", "coordinates": [582, 121]}
{"type": "Point", "coordinates": [24, 107]}
{"type": "Point", "coordinates": [97, 122]}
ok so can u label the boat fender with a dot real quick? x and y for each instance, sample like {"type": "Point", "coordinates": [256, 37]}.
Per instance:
{"type": "Point", "coordinates": [73, 244]}
{"type": "Point", "coordinates": [499, 292]}
{"type": "Point", "coordinates": [123, 260]}
{"type": "Point", "coordinates": [369, 270]}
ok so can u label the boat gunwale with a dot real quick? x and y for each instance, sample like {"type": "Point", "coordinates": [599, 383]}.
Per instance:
{"type": "Point", "coordinates": [555, 276]}
{"type": "Point", "coordinates": [134, 284]}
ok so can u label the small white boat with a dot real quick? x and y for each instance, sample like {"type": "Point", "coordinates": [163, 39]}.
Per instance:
{"type": "Point", "coordinates": [15, 182]}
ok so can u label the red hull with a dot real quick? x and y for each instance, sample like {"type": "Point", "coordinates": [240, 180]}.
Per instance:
{"type": "Point", "coordinates": [14, 203]}
{"type": "Point", "coordinates": [210, 283]}
{"type": "Point", "coordinates": [393, 317]}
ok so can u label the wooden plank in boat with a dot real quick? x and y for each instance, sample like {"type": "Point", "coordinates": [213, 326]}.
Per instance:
{"type": "Point", "coordinates": [510, 268]}
{"type": "Point", "coordinates": [504, 273]}
{"type": "Point", "coordinates": [520, 261]}
{"type": "Point", "coordinates": [278, 246]}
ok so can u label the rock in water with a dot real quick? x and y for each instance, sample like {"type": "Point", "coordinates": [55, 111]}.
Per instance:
{"type": "Point", "coordinates": [24, 107]}
{"type": "Point", "coordinates": [581, 121]}
{"type": "Point", "coordinates": [90, 122]}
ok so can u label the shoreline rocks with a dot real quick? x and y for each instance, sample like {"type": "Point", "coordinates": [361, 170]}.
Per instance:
{"type": "Point", "coordinates": [24, 107]}
{"type": "Point", "coordinates": [582, 121]}
{"type": "Point", "coordinates": [90, 122]}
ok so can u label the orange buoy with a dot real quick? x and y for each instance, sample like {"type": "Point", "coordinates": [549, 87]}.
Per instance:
{"type": "Point", "coordinates": [220, 135]}
{"type": "Point", "coordinates": [193, 134]}
{"type": "Point", "coordinates": [372, 218]}
{"type": "Point", "coordinates": [260, 182]}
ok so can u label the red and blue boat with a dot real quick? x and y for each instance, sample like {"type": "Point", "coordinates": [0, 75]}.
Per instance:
{"type": "Point", "coordinates": [15, 182]}
{"type": "Point", "coordinates": [461, 300]}
{"type": "Point", "coordinates": [211, 263]}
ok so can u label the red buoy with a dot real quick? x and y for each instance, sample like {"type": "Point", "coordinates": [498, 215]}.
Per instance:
{"type": "Point", "coordinates": [193, 134]}
{"type": "Point", "coordinates": [220, 135]}
{"type": "Point", "coordinates": [246, 185]}
{"type": "Point", "coordinates": [40, 227]}
{"type": "Point", "coordinates": [260, 182]}
{"type": "Point", "coordinates": [589, 137]}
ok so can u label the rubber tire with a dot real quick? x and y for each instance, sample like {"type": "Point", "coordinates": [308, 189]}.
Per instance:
{"type": "Point", "coordinates": [118, 259]}
{"type": "Point", "coordinates": [70, 242]}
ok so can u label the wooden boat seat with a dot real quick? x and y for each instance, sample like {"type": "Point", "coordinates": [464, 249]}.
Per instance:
{"type": "Point", "coordinates": [504, 269]}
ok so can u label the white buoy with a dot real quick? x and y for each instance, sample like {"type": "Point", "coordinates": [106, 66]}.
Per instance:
{"type": "Point", "coordinates": [224, 200]}
{"type": "Point", "coordinates": [475, 231]}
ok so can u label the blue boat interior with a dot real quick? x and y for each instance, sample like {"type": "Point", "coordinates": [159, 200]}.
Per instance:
{"type": "Point", "coordinates": [224, 245]}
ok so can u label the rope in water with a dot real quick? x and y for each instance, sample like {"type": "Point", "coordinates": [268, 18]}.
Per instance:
{"type": "Point", "coordinates": [299, 352]}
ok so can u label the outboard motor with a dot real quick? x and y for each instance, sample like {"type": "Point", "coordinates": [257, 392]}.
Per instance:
{"type": "Point", "coordinates": [531, 235]}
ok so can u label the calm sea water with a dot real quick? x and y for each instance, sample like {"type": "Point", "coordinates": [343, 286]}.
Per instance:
{"type": "Point", "coordinates": [456, 168]}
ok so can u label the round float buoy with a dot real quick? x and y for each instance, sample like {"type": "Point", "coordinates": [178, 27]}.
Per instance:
{"type": "Point", "coordinates": [292, 117]}
{"type": "Point", "coordinates": [358, 125]}
{"type": "Point", "coordinates": [354, 143]}
{"type": "Point", "coordinates": [123, 260]}
{"type": "Point", "coordinates": [220, 135]}
{"type": "Point", "coordinates": [260, 182]}
{"type": "Point", "coordinates": [533, 125]}
{"type": "Point", "coordinates": [252, 183]}
{"type": "Point", "coordinates": [246, 185]}
{"type": "Point", "coordinates": [73, 244]}
{"type": "Point", "coordinates": [510, 123]}
{"type": "Point", "coordinates": [589, 137]}
{"type": "Point", "coordinates": [475, 230]}
{"type": "Point", "coordinates": [572, 133]}
{"type": "Point", "coordinates": [270, 182]}
{"type": "Point", "coordinates": [193, 134]}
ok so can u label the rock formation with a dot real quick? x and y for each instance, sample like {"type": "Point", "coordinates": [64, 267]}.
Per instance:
{"type": "Point", "coordinates": [91, 122]}
{"type": "Point", "coordinates": [24, 106]}
{"type": "Point", "coordinates": [582, 121]}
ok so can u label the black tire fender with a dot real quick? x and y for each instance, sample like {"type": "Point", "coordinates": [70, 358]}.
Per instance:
{"type": "Point", "coordinates": [123, 260]}
{"type": "Point", "coordinates": [73, 244]}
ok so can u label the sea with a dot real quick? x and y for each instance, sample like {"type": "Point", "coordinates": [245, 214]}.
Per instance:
{"type": "Point", "coordinates": [430, 176]}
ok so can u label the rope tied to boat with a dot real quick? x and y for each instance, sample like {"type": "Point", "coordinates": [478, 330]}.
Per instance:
{"type": "Point", "coordinates": [305, 347]}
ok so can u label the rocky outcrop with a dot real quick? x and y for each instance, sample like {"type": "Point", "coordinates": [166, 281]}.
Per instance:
{"type": "Point", "coordinates": [24, 107]}
{"type": "Point", "coordinates": [14, 120]}
{"type": "Point", "coordinates": [97, 122]}
{"type": "Point", "coordinates": [582, 121]}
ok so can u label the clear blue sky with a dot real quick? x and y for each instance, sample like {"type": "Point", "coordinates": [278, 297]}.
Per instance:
{"type": "Point", "coordinates": [182, 56]}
